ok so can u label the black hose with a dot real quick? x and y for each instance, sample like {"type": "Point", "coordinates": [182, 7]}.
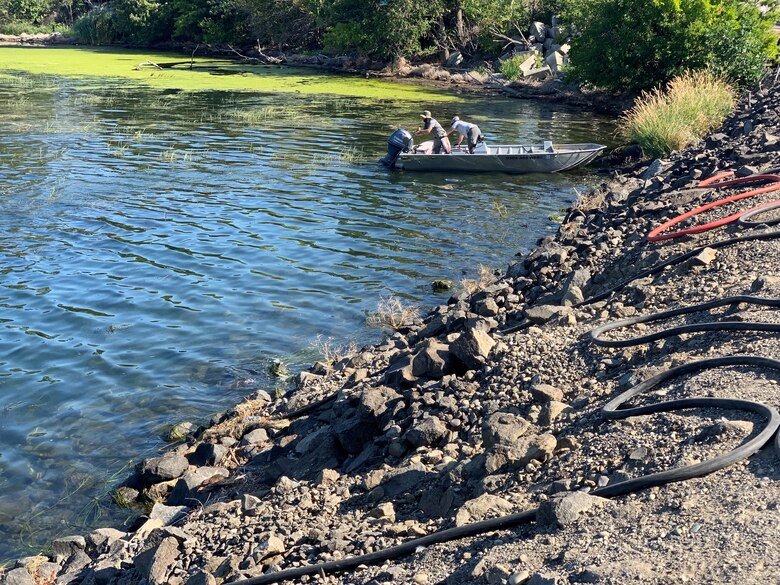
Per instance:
{"type": "Point", "coordinates": [596, 333]}
{"type": "Point", "coordinates": [611, 410]}
{"type": "Point", "coordinates": [745, 218]}
{"type": "Point", "coordinates": [655, 269]}
{"type": "Point", "coordinates": [761, 236]}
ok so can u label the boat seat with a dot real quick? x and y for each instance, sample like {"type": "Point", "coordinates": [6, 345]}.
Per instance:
{"type": "Point", "coordinates": [548, 146]}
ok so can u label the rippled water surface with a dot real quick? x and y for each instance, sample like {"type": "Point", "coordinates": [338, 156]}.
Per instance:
{"type": "Point", "coordinates": [158, 249]}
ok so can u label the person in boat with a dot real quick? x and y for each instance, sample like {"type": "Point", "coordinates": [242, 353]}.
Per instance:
{"type": "Point", "coordinates": [466, 130]}
{"type": "Point", "coordinates": [441, 144]}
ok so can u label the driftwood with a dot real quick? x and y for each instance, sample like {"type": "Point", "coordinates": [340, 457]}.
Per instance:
{"type": "Point", "coordinates": [146, 64]}
{"type": "Point", "coordinates": [192, 57]}
{"type": "Point", "coordinates": [264, 59]}
{"type": "Point", "coordinates": [496, 84]}
{"type": "Point", "coordinates": [509, 40]}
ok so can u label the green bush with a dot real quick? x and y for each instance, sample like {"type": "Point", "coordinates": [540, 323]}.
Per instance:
{"type": "Point", "coordinates": [32, 11]}
{"type": "Point", "coordinates": [628, 45]}
{"type": "Point", "coordinates": [142, 22]}
{"type": "Point", "coordinates": [510, 68]}
{"type": "Point", "coordinates": [669, 119]}
{"type": "Point", "coordinates": [382, 28]}
{"type": "Point", "coordinates": [96, 27]}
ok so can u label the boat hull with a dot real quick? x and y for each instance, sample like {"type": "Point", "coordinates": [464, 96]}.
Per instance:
{"type": "Point", "coordinates": [516, 159]}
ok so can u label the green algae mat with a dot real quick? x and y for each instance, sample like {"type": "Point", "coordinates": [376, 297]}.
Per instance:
{"type": "Point", "coordinates": [96, 66]}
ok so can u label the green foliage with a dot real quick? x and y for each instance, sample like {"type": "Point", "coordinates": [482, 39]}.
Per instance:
{"type": "Point", "coordinates": [295, 23]}
{"type": "Point", "coordinates": [96, 27]}
{"type": "Point", "coordinates": [142, 22]}
{"type": "Point", "coordinates": [382, 28]}
{"type": "Point", "coordinates": [209, 21]}
{"type": "Point", "coordinates": [510, 68]}
{"type": "Point", "coordinates": [33, 11]}
{"type": "Point", "coordinates": [18, 28]}
{"type": "Point", "coordinates": [626, 45]}
{"type": "Point", "coordinates": [669, 119]}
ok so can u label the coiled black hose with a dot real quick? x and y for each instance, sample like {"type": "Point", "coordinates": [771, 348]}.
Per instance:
{"type": "Point", "coordinates": [611, 410]}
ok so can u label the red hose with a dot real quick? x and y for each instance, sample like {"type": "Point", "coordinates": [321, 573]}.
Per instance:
{"type": "Point", "coordinates": [654, 236]}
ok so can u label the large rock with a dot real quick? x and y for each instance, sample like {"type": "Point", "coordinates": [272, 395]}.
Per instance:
{"type": "Point", "coordinates": [208, 454]}
{"type": "Point", "coordinates": [399, 373]}
{"type": "Point", "coordinates": [542, 313]}
{"type": "Point", "coordinates": [157, 563]}
{"type": "Point", "coordinates": [68, 545]}
{"type": "Point", "coordinates": [164, 468]}
{"type": "Point", "coordinates": [360, 425]}
{"type": "Point", "coordinates": [167, 514]}
{"type": "Point", "coordinates": [190, 486]}
{"type": "Point", "coordinates": [546, 393]}
{"type": "Point", "coordinates": [485, 506]}
{"type": "Point", "coordinates": [565, 510]}
{"type": "Point", "coordinates": [556, 60]}
{"type": "Point", "coordinates": [506, 457]}
{"type": "Point", "coordinates": [18, 576]}
{"type": "Point", "coordinates": [428, 431]}
{"type": "Point", "coordinates": [99, 541]}
{"type": "Point", "coordinates": [434, 360]}
{"type": "Point", "coordinates": [472, 347]}
{"type": "Point", "coordinates": [503, 428]}
{"type": "Point", "coordinates": [538, 30]}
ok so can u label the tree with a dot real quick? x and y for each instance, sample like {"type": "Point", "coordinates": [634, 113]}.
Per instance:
{"type": "Point", "coordinates": [629, 45]}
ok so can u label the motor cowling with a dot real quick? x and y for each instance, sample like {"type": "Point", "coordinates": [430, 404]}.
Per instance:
{"type": "Point", "coordinates": [400, 141]}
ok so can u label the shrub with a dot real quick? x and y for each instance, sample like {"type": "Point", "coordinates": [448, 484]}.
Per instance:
{"type": "Point", "coordinates": [626, 45]}
{"type": "Point", "coordinates": [96, 27]}
{"type": "Point", "coordinates": [392, 313]}
{"type": "Point", "coordinates": [32, 11]}
{"type": "Point", "coordinates": [510, 68]}
{"type": "Point", "coordinates": [401, 28]}
{"type": "Point", "coordinates": [669, 119]}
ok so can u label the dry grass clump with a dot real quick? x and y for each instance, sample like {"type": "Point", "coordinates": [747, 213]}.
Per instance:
{"type": "Point", "coordinates": [393, 313]}
{"type": "Point", "coordinates": [485, 277]}
{"type": "Point", "coordinates": [671, 118]}
{"type": "Point", "coordinates": [331, 352]}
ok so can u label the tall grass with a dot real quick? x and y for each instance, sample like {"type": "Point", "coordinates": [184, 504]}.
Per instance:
{"type": "Point", "coordinates": [20, 28]}
{"type": "Point", "coordinates": [671, 118]}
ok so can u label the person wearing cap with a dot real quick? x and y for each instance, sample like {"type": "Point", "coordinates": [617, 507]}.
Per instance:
{"type": "Point", "coordinates": [466, 130]}
{"type": "Point", "coordinates": [430, 126]}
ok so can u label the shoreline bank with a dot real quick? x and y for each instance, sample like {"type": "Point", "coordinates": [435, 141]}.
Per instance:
{"type": "Point", "coordinates": [425, 74]}
{"type": "Point", "coordinates": [449, 422]}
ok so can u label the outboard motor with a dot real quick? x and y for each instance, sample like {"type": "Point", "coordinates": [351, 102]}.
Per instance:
{"type": "Point", "coordinates": [399, 141]}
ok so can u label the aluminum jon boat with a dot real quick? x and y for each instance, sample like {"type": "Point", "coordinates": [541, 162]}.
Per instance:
{"type": "Point", "coordinates": [515, 158]}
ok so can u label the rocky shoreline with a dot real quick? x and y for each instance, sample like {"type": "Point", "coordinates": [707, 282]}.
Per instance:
{"type": "Point", "coordinates": [450, 421]}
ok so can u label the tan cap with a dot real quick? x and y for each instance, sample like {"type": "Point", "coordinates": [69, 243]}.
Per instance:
{"type": "Point", "coordinates": [426, 114]}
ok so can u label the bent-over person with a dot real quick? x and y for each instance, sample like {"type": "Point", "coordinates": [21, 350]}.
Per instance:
{"type": "Point", "coordinates": [466, 130]}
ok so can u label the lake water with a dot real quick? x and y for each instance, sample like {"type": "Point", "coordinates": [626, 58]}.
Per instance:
{"type": "Point", "coordinates": [159, 248]}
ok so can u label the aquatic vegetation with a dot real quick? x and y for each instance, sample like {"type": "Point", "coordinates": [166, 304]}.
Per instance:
{"type": "Point", "coordinates": [173, 155]}
{"type": "Point", "coordinates": [500, 209]}
{"type": "Point", "coordinates": [95, 65]}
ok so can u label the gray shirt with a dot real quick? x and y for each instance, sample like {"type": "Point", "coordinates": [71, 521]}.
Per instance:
{"type": "Point", "coordinates": [435, 127]}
